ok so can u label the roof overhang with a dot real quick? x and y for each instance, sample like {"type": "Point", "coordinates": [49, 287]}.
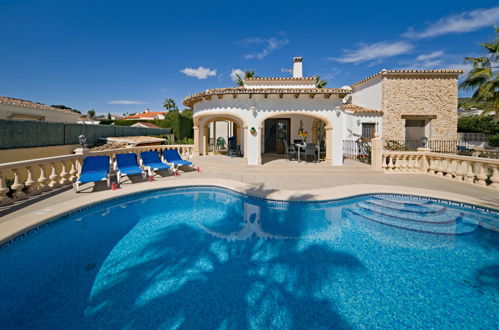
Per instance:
{"type": "Point", "coordinates": [439, 73]}
{"type": "Point", "coordinates": [190, 100]}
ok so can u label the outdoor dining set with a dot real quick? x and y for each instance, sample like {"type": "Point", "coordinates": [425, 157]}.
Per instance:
{"type": "Point", "coordinates": [302, 151]}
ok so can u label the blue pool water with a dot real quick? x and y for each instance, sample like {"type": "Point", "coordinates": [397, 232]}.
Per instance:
{"type": "Point", "coordinates": [205, 257]}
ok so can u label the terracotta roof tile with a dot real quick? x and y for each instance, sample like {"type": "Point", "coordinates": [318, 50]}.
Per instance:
{"type": "Point", "coordinates": [280, 78]}
{"type": "Point", "coordinates": [358, 108]}
{"type": "Point", "coordinates": [410, 72]}
{"type": "Point", "coordinates": [149, 125]}
{"type": "Point", "coordinates": [33, 105]}
{"type": "Point", "coordinates": [191, 99]}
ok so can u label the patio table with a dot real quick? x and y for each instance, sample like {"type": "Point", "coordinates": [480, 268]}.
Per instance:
{"type": "Point", "coordinates": [299, 146]}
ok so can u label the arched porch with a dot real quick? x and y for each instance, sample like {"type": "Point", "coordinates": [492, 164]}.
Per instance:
{"type": "Point", "coordinates": [210, 128]}
{"type": "Point", "coordinates": [294, 127]}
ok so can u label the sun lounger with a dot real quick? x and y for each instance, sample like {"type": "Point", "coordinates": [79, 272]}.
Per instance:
{"type": "Point", "coordinates": [95, 168]}
{"type": "Point", "coordinates": [152, 162]}
{"type": "Point", "coordinates": [173, 157]}
{"type": "Point", "coordinates": [126, 165]}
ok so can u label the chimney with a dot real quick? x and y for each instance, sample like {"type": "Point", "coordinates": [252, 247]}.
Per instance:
{"type": "Point", "coordinates": [297, 67]}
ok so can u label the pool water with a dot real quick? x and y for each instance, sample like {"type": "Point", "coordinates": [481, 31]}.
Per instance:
{"type": "Point", "coordinates": [210, 258]}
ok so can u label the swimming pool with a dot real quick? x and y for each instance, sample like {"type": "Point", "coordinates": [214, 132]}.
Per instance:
{"type": "Point", "coordinates": [207, 257]}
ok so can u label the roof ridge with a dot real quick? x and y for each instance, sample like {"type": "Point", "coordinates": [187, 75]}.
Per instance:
{"type": "Point", "coordinates": [384, 72]}
{"type": "Point", "coordinates": [31, 104]}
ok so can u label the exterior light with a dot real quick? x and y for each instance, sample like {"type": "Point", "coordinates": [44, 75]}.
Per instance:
{"type": "Point", "coordinates": [83, 140]}
{"type": "Point", "coordinates": [358, 122]}
{"type": "Point", "coordinates": [338, 111]}
{"type": "Point", "coordinates": [253, 111]}
{"type": "Point", "coordinates": [424, 141]}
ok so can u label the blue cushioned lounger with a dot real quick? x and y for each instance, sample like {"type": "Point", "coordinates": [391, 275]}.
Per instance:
{"type": "Point", "coordinates": [126, 164]}
{"type": "Point", "coordinates": [95, 168]}
{"type": "Point", "coordinates": [152, 162]}
{"type": "Point", "coordinates": [173, 157]}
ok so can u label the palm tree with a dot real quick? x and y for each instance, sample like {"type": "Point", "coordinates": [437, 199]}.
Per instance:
{"type": "Point", "coordinates": [170, 105]}
{"type": "Point", "coordinates": [247, 74]}
{"type": "Point", "coordinates": [484, 77]}
{"type": "Point", "coordinates": [320, 83]}
{"type": "Point", "coordinates": [91, 113]}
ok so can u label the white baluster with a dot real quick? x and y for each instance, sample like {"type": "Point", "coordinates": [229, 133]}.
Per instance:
{"type": "Point", "coordinates": [459, 171]}
{"type": "Point", "coordinates": [470, 175]}
{"type": "Point", "coordinates": [440, 167]}
{"type": "Point", "coordinates": [29, 180]}
{"type": "Point", "coordinates": [495, 177]}
{"type": "Point", "coordinates": [396, 163]}
{"type": "Point", "coordinates": [41, 180]}
{"type": "Point", "coordinates": [431, 167]}
{"type": "Point", "coordinates": [53, 177]}
{"type": "Point", "coordinates": [72, 171]}
{"type": "Point", "coordinates": [64, 174]}
{"type": "Point", "coordinates": [3, 190]}
{"type": "Point", "coordinates": [481, 176]}
{"type": "Point", "coordinates": [449, 170]}
{"type": "Point", "coordinates": [17, 186]}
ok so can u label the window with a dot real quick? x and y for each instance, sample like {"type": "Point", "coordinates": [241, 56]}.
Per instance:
{"type": "Point", "coordinates": [368, 130]}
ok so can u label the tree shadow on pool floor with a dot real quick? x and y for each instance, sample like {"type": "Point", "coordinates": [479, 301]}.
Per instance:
{"type": "Point", "coordinates": [183, 277]}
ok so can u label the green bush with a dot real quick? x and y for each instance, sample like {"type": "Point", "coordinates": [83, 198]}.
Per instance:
{"type": "Point", "coordinates": [494, 140]}
{"type": "Point", "coordinates": [477, 124]}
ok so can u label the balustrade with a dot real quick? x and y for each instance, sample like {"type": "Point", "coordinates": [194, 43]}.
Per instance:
{"type": "Point", "coordinates": [475, 170]}
{"type": "Point", "coordinates": [29, 177]}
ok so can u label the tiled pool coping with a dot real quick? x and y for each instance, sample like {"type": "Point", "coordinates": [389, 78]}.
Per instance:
{"type": "Point", "coordinates": [20, 226]}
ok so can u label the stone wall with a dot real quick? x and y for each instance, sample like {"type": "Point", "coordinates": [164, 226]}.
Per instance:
{"type": "Point", "coordinates": [420, 96]}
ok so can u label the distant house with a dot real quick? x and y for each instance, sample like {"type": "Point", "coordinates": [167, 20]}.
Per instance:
{"type": "Point", "coordinates": [145, 125]}
{"type": "Point", "coordinates": [87, 121]}
{"type": "Point", "coordinates": [17, 109]}
{"type": "Point", "coordinates": [147, 115]}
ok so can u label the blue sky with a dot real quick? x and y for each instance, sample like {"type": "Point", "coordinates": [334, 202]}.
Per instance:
{"type": "Point", "coordinates": [125, 56]}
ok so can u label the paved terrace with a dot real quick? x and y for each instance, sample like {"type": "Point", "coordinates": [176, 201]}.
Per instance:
{"type": "Point", "coordinates": [276, 178]}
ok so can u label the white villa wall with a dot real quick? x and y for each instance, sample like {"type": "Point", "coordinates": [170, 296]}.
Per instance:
{"type": "Point", "coordinates": [353, 124]}
{"type": "Point", "coordinates": [6, 110]}
{"type": "Point", "coordinates": [368, 94]}
{"type": "Point", "coordinates": [243, 106]}
{"type": "Point", "coordinates": [279, 84]}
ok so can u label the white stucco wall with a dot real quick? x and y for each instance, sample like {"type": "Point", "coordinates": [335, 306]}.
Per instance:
{"type": "Point", "coordinates": [6, 110]}
{"type": "Point", "coordinates": [353, 124]}
{"type": "Point", "coordinates": [279, 84]}
{"type": "Point", "coordinates": [368, 94]}
{"type": "Point", "coordinates": [274, 106]}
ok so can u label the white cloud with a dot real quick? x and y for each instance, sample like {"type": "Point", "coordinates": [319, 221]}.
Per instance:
{"type": "Point", "coordinates": [200, 73]}
{"type": "Point", "coordinates": [372, 52]}
{"type": "Point", "coordinates": [126, 102]}
{"type": "Point", "coordinates": [465, 22]}
{"type": "Point", "coordinates": [238, 72]}
{"type": "Point", "coordinates": [269, 45]}
{"type": "Point", "coordinates": [426, 57]}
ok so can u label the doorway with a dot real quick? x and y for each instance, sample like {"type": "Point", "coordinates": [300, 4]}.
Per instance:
{"type": "Point", "coordinates": [277, 130]}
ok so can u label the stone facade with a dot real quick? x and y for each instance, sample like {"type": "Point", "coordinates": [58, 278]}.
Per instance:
{"type": "Point", "coordinates": [431, 97]}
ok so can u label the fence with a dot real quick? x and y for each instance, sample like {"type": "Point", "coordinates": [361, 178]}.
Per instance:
{"type": "Point", "coordinates": [27, 134]}
{"type": "Point", "coordinates": [358, 150]}
{"type": "Point", "coordinates": [479, 137]}
{"type": "Point", "coordinates": [456, 147]}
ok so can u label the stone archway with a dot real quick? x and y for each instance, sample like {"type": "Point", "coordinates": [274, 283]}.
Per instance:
{"type": "Point", "coordinates": [203, 120]}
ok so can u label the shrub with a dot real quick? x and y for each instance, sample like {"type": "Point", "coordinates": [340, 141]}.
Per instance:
{"type": "Point", "coordinates": [494, 140]}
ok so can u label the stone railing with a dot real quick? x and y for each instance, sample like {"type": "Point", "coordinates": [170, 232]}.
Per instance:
{"type": "Point", "coordinates": [21, 179]}
{"type": "Point", "coordinates": [474, 170]}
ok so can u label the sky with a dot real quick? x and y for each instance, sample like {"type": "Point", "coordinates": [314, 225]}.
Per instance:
{"type": "Point", "coordinates": [125, 56]}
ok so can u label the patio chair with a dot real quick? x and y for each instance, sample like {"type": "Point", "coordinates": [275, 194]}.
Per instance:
{"type": "Point", "coordinates": [310, 150]}
{"type": "Point", "coordinates": [95, 168]}
{"type": "Point", "coordinates": [151, 161]}
{"type": "Point", "coordinates": [289, 150]}
{"type": "Point", "coordinates": [126, 165]}
{"type": "Point", "coordinates": [220, 143]}
{"type": "Point", "coordinates": [234, 149]}
{"type": "Point", "coordinates": [173, 157]}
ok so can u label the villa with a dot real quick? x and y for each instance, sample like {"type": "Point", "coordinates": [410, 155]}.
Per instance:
{"type": "Point", "coordinates": [147, 115]}
{"type": "Point", "coordinates": [266, 112]}
{"type": "Point", "coordinates": [17, 109]}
